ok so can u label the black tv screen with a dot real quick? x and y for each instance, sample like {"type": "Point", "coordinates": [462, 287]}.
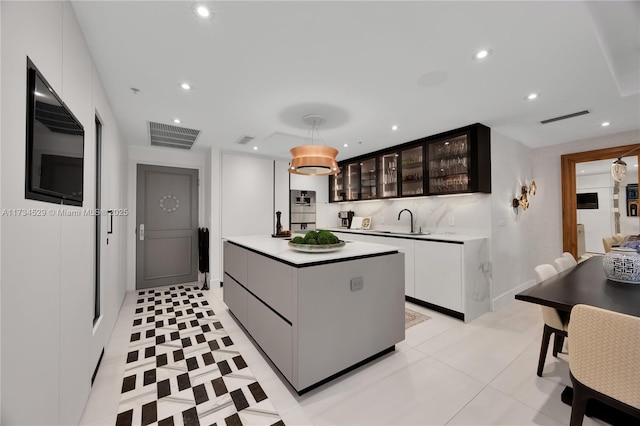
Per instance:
{"type": "Point", "coordinates": [55, 145]}
{"type": "Point", "coordinates": [587, 200]}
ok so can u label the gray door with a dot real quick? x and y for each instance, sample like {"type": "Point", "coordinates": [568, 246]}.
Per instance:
{"type": "Point", "coordinates": [167, 226]}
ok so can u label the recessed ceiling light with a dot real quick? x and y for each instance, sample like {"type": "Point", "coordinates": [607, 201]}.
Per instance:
{"type": "Point", "coordinates": [635, 165]}
{"type": "Point", "coordinates": [482, 54]}
{"type": "Point", "coordinates": [177, 120]}
{"type": "Point", "coordinates": [581, 171]}
{"type": "Point", "coordinates": [394, 127]}
{"type": "Point", "coordinates": [185, 86]}
{"type": "Point", "coordinates": [203, 11]}
{"type": "Point", "coordinates": [345, 145]}
{"type": "Point", "coordinates": [255, 148]}
{"type": "Point", "coordinates": [605, 124]}
{"type": "Point", "coordinates": [532, 96]}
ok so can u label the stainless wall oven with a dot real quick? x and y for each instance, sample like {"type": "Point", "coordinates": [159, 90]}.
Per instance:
{"type": "Point", "coordinates": [302, 206]}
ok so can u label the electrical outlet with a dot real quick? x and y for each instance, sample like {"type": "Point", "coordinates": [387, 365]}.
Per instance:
{"type": "Point", "coordinates": [451, 221]}
{"type": "Point", "coordinates": [381, 219]}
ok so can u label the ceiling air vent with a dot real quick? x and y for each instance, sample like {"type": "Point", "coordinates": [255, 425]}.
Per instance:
{"type": "Point", "coordinates": [564, 117]}
{"type": "Point", "coordinates": [243, 140]}
{"type": "Point", "coordinates": [172, 136]}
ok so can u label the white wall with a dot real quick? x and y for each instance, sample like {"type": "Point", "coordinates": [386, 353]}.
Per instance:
{"type": "Point", "coordinates": [215, 230]}
{"type": "Point", "coordinates": [280, 193]}
{"type": "Point", "coordinates": [513, 258]}
{"type": "Point", "coordinates": [48, 341]}
{"type": "Point", "coordinates": [598, 223]}
{"type": "Point", "coordinates": [158, 156]}
{"type": "Point", "coordinates": [247, 195]}
{"type": "Point", "coordinates": [113, 254]}
{"type": "Point", "coordinates": [548, 238]}
{"type": "Point", "coordinates": [0, 227]}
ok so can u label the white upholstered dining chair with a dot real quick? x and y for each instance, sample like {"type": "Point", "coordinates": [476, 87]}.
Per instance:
{"type": "Point", "coordinates": [570, 257]}
{"type": "Point", "coordinates": [554, 322]}
{"type": "Point", "coordinates": [604, 360]}
{"type": "Point", "coordinates": [563, 263]}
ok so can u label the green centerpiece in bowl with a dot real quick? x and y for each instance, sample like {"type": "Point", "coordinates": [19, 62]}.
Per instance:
{"type": "Point", "coordinates": [320, 241]}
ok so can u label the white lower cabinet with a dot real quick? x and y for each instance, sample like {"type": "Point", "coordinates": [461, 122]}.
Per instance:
{"type": "Point", "coordinates": [453, 275]}
{"type": "Point", "coordinates": [405, 246]}
{"type": "Point", "coordinates": [438, 274]}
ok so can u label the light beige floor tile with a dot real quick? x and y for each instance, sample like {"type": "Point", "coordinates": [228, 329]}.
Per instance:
{"type": "Point", "coordinates": [491, 407]}
{"type": "Point", "coordinates": [426, 392]}
{"type": "Point", "coordinates": [476, 350]}
{"type": "Point", "coordinates": [437, 324]}
{"type": "Point", "coordinates": [542, 394]}
{"type": "Point", "coordinates": [366, 377]}
{"type": "Point", "coordinates": [296, 417]}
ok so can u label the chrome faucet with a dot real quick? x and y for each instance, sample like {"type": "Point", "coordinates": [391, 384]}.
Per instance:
{"type": "Point", "coordinates": [407, 210]}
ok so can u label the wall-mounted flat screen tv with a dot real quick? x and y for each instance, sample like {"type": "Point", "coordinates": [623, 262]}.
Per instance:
{"type": "Point", "coordinates": [588, 200]}
{"type": "Point", "coordinates": [55, 145]}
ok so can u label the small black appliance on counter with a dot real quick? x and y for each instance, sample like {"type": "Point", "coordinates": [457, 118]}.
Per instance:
{"type": "Point", "coordinates": [346, 216]}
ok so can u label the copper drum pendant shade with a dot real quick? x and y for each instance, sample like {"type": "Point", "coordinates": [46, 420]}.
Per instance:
{"type": "Point", "coordinates": [313, 160]}
{"type": "Point", "coordinates": [316, 160]}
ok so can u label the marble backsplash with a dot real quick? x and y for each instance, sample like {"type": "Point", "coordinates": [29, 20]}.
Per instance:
{"type": "Point", "coordinates": [468, 214]}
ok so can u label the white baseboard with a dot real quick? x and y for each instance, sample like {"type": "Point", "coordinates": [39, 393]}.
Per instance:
{"type": "Point", "coordinates": [505, 298]}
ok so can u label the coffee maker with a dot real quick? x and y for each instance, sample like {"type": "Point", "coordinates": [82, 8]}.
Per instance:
{"type": "Point", "coordinates": [346, 216]}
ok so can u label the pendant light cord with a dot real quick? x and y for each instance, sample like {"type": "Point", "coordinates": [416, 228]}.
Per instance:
{"type": "Point", "coordinates": [628, 152]}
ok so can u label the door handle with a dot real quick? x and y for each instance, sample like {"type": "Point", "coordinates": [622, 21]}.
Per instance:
{"type": "Point", "coordinates": [110, 231]}
{"type": "Point", "coordinates": [141, 234]}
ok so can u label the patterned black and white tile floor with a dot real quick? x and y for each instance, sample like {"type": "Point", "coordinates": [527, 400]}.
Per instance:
{"type": "Point", "coordinates": [182, 367]}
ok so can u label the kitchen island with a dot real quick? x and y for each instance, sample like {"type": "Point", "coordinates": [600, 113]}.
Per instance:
{"type": "Point", "coordinates": [315, 315]}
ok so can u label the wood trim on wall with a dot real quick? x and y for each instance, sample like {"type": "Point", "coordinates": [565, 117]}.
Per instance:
{"type": "Point", "coordinates": [569, 203]}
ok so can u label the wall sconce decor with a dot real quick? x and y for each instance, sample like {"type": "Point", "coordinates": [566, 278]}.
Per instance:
{"type": "Point", "coordinates": [526, 193]}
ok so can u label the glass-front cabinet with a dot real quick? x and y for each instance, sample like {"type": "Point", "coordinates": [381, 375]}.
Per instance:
{"type": "Point", "coordinates": [453, 162]}
{"type": "Point", "coordinates": [352, 181]}
{"type": "Point", "coordinates": [388, 175]}
{"type": "Point", "coordinates": [449, 165]}
{"type": "Point", "coordinates": [336, 187]}
{"type": "Point", "coordinates": [412, 171]}
{"type": "Point", "coordinates": [368, 180]}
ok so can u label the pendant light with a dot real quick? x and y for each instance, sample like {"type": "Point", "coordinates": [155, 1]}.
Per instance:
{"type": "Point", "coordinates": [619, 170]}
{"type": "Point", "coordinates": [313, 160]}
{"type": "Point", "coordinates": [619, 167]}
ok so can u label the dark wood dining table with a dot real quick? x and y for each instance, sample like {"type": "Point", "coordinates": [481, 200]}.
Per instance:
{"type": "Point", "coordinates": [586, 284]}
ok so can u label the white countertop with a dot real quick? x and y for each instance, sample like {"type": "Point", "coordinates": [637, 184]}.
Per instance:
{"type": "Point", "coordinates": [447, 237]}
{"type": "Point", "coordinates": [279, 248]}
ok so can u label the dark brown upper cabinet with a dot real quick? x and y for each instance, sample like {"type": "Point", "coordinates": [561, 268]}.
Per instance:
{"type": "Point", "coordinates": [453, 162]}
